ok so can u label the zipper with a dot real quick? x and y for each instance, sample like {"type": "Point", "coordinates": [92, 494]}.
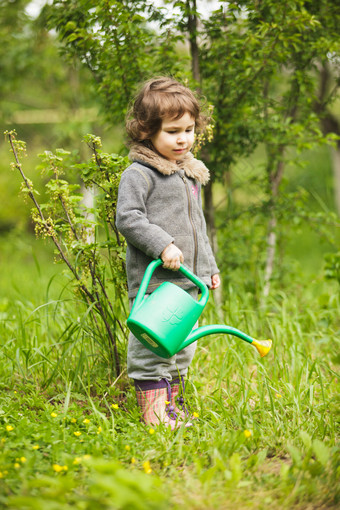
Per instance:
{"type": "Point", "coordinates": [192, 223]}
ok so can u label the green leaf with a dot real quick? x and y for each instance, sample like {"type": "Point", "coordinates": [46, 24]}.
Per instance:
{"type": "Point", "coordinates": [235, 465]}
{"type": "Point", "coordinates": [295, 454]}
{"type": "Point", "coordinates": [306, 439]}
{"type": "Point", "coordinates": [321, 451]}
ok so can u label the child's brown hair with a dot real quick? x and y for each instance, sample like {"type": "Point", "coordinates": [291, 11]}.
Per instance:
{"type": "Point", "coordinates": [159, 98]}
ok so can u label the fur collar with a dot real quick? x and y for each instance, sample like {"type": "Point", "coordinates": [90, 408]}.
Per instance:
{"type": "Point", "coordinates": [193, 168]}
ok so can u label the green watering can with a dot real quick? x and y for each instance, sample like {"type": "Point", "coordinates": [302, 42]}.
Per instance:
{"type": "Point", "coordinates": [163, 321]}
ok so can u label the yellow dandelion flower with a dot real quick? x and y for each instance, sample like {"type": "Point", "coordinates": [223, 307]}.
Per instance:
{"type": "Point", "coordinates": [54, 415]}
{"type": "Point", "coordinates": [167, 402]}
{"type": "Point", "coordinates": [86, 457]}
{"type": "Point", "coordinates": [23, 460]}
{"type": "Point", "coordinates": [151, 431]}
{"type": "Point", "coordinates": [133, 460]}
{"type": "Point", "coordinates": [77, 433]}
{"type": "Point", "coordinates": [3, 440]}
{"type": "Point", "coordinates": [195, 415]}
{"type": "Point", "coordinates": [1, 475]}
{"type": "Point", "coordinates": [65, 468]}
{"type": "Point", "coordinates": [35, 447]}
{"type": "Point", "coordinates": [86, 421]}
{"type": "Point", "coordinates": [57, 468]}
{"type": "Point", "coordinates": [73, 420]}
{"type": "Point", "coordinates": [147, 468]}
{"type": "Point", "coordinates": [127, 447]}
{"type": "Point", "coordinates": [278, 395]}
{"type": "Point", "coordinates": [9, 428]}
{"type": "Point", "coordinates": [99, 430]}
{"type": "Point", "coordinates": [247, 433]}
{"type": "Point", "coordinates": [115, 406]}
{"type": "Point", "coordinates": [77, 460]}
{"type": "Point", "coordinates": [16, 465]}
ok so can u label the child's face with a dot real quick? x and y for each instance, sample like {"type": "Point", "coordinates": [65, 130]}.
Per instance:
{"type": "Point", "coordinates": [175, 138]}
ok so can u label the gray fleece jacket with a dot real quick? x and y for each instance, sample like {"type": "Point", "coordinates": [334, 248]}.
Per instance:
{"type": "Point", "coordinates": [159, 202]}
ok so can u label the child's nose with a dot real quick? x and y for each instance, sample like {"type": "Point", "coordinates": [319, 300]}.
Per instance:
{"type": "Point", "coordinates": [181, 138]}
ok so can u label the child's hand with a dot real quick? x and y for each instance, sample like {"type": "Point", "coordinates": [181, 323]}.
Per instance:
{"type": "Point", "coordinates": [172, 257]}
{"type": "Point", "coordinates": [215, 281]}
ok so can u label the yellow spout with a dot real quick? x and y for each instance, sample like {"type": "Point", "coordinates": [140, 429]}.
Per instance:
{"type": "Point", "coordinates": [263, 346]}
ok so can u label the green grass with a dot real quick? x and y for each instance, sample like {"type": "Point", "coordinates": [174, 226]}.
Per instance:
{"type": "Point", "coordinates": [267, 430]}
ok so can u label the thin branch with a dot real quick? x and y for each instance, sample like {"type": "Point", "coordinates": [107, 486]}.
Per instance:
{"type": "Point", "coordinates": [68, 218]}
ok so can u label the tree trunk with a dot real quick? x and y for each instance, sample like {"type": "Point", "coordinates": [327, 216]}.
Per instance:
{"type": "Point", "coordinates": [271, 248]}
{"type": "Point", "coordinates": [89, 202]}
{"type": "Point", "coordinates": [191, 9]}
{"type": "Point", "coordinates": [192, 30]}
{"type": "Point", "coordinates": [275, 181]}
{"type": "Point", "coordinates": [336, 173]}
{"type": "Point", "coordinates": [329, 123]}
{"type": "Point", "coordinates": [192, 26]}
{"type": "Point", "coordinates": [209, 213]}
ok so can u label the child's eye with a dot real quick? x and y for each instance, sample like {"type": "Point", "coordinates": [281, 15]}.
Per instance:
{"type": "Point", "coordinates": [174, 131]}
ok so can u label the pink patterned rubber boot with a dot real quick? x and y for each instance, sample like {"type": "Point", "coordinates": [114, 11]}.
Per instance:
{"type": "Point", "coordinates": [154, 400]}
{"type": "Point", "coordinates": [177, 399]}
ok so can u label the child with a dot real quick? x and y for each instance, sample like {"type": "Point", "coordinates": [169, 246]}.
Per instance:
{"type": "Point", "coordinates": [159, 212]}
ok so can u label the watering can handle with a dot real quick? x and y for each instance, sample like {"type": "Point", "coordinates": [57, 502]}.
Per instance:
{"type": "Point", "coordinates": [158, 262]}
